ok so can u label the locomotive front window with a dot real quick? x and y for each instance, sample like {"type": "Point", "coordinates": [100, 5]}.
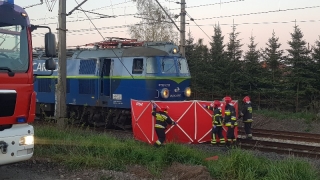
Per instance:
{"type": "Point", "coordinates": [151, 65]}
{"type": "Point", "coordinates": [168, 65]}
{"type": "Point", "coordinates": [183, 66]}
{"type": "Point", "coordinates": [14, 47]}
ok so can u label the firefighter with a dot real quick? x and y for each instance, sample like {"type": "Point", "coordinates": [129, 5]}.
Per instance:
{"type": "Point", "coordinates": [162, 119]}
{"type": "Point", "coordinates": [217, 122]}
{"type": "Point", "coordinates": [230, 120]}
{"type": "Point", "coordinates": [246, 115]}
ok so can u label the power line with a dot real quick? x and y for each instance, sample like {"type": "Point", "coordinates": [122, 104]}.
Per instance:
{"type": "Point", "coordinates": [255, 23]}
{"type": "Point", "coordinates": [205, 5]}
{"type": "Point", "coordinates": [53, 17]}
{"type": "Point", "coordinates": [247, 14]}
{"type": "Point", "coordinates": [79, 33]}
{"type": "Point", "coordinates": [262, 12]}
{"type": "Point", "coordinates": [198, 26]}
{"type": "Point", "coordinates": [92, 10]}
{"type": "Point", "coordinates": [111, 48]}
{"type": "Point", "coordinates": [90, 20]}
{"type": "Point", "coordinates": [96, 9]}
{"type": "Point", "coordinates": [72, 32]}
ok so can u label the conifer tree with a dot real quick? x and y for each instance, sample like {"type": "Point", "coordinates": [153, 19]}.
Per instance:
{"type": "Point", "coordinates": [315, 106]}
{"type": "Point", "coordinates": [234, 51]}
{"type": "Point", "coordinates": [233, 56]}
{"type": "Point", "coordinates": [217, 46]}
{"type": "Point", "coordinates": [300, 75]}
{"type": "Point", "coordinates": [252, 68]}
{"type": "Point", "coordinates": [272, 56]}
{"type": "Point", "coordinates": [217, 64]}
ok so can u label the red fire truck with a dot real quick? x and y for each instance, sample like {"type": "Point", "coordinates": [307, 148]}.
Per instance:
{"type": "Point", "coordinates": [17, 97]}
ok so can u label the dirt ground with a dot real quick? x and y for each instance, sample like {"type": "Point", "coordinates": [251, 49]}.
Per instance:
{"type": "Point", "coordinates": [44, 169]}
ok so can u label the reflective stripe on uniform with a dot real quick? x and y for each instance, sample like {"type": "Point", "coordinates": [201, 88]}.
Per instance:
{"type": "Point", "coordinates": [161, 117]}
{"type": "Point", "coordinates": [158, 126]}
{"type": "Point", "coordinates": [248, 120]}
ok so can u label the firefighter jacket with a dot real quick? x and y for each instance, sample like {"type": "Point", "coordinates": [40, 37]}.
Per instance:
{"type": "Point", "coordinates": [246, 113]}
{"type": "Point", "coordinates": [217, 116]}
{"type": "Point", "coordinates": [230, 115]}
{"type": "Point", "coordinates": [162, 119]}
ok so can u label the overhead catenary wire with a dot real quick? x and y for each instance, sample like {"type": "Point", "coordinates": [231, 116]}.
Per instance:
{"type": "Point", "coordinates": [96, 9]}
{"type": "Point", "coordinates": [261, 12]}
{"type": "Point", "coordinates": [104, 39]}
{"type": "Point", "coordinates": [74, 32]}
{"type": "Point", "coordinates": [198, 26]}
{"type": "Point", "coordinates": [199, 19]}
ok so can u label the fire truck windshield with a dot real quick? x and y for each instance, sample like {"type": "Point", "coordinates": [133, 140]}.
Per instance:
{"type": "Point", "coordinates": [13, 48]}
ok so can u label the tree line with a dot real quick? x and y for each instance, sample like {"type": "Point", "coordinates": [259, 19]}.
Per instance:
{"type": "Point", "coordinates": [273, 80]}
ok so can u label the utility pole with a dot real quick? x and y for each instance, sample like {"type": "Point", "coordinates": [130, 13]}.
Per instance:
{"type": "Point", "coordinates": [183, 28]}
{"type": "Point", "coordinates": [61, 108]}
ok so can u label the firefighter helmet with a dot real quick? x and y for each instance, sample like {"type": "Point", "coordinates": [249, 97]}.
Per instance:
{"type": "Point", "coordinates": [246, 99]}
{"type": "Point", "coordinates": [164, 108]}
{"type": "Point", "coordinates": [216, 103]}
{"type": "Point", "coordinates": [227, 99]}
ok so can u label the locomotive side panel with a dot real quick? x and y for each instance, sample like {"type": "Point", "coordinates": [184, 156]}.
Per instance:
{"type": "Point", "coordinates": [81, 87]}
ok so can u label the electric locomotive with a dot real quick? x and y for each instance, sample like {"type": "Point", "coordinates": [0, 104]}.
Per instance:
{"type": "Point", "coordinates": [102, 81]}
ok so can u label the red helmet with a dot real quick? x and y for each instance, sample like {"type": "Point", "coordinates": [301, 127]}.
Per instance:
{"type": "Point", "coordinates": [216, 103]}
{"type": "Point", "coordinates": [227, 99]}
{"type": "Point", "coordinates": [246, 99]}
{"type": "Point", "coordinates": [164, 108]}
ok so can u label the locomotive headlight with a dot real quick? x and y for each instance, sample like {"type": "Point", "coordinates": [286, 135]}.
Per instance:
{"type": "Point", "coordinates": [165, 93]}
{"type": "Point", "coordinates": [187, 92]}
{"type": "Point", "coordinates": [26, 140]}
{"type": "Point", "coordinates": [175, 50]}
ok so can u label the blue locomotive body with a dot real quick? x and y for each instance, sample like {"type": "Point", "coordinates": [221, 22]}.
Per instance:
{"type": "Point", "coordinates": [110, 78]}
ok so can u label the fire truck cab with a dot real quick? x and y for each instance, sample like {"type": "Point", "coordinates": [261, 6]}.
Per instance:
{"type": "Point", "coordinates": [17, 97]}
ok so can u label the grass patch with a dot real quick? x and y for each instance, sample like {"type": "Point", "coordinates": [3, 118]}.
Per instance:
{"type": "Point", "coordinates": [308, 117]}
{"type": "Point", "coordinates": [83, 149]}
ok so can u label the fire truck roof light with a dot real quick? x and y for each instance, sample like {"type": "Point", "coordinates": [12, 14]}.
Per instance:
{"type": "Point", "coordinates": [21, 120]}
{"type": "Point", "coordinates": [9, 1]}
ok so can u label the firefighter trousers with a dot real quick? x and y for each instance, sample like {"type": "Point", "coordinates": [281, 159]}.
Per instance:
{"type": "Point", "coordinates": [217, 132]}
{"type": "Point", "coordinates": [247, 129]}
{"type": "Point", "coordinates": [161, 136]}
{"type": "Point", "coordinates": [230, 135]}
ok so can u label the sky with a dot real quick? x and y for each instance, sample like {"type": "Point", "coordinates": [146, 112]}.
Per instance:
{"type": "Point", "coordinates": [252, 17]}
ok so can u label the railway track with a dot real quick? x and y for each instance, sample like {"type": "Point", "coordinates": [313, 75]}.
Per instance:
{"type": "Point", "coordinates": [284, 135]}
{"type": "Point", "coordinates": [282, 142]}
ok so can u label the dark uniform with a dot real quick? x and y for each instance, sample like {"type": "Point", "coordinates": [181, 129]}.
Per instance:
{"type": "Point", "coordinates": [162, 119]}
{"type": "Point", "coordinates": [217, 122]}
{"type": "Point", "coordinates": [246, 115]}
{"type": "Point", "coordinates": [230, 121]}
